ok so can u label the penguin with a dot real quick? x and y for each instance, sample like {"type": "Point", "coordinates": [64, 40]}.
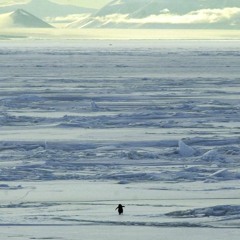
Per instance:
{"type": "Point", "coordinates": [120, 209]}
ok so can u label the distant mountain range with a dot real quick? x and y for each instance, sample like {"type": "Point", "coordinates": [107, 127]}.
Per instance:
{"type": "Point", "coordinates": [21, 19]}
{"type": "Point", "coordinates": [161, 14]}
{"type": "Point", "coordinates": [45, 8]}
{"type": "Point", "coordinates": [142, 8]}
{"type": "Point", "coordinates": [164, 14]}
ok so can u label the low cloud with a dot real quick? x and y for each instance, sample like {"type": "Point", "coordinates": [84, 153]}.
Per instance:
{"type": "Point", "coordinates": [195, 17]}
{"type": "Point", "coordinates": [66, 19]}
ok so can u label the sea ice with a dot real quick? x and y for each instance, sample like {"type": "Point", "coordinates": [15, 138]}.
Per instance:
{"type": "Point", "coordinates": [88, 125]}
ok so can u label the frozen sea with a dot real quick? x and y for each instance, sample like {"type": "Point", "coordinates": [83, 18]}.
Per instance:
{"type": "Point", "coordinates": [86, 125]}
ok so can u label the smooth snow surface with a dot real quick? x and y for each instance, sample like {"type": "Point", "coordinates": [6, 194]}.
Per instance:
{"type": "Point", "coordinates": [153, 125]}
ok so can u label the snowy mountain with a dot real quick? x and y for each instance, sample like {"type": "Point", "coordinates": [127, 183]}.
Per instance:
{"type": "Point", "coordinates": [164, 14]}
{"type": "Point", "coordinates": [21, 19]}
{"type": "Point", "coordinates": [156, 6]}
{"type": "Point", "coordinates": [46, 8]}
{"type": "Point", "coordinates": [121, 7]}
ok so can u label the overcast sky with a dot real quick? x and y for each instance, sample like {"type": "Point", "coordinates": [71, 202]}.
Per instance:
{"type": "Point", "coordinates": [81, 3]}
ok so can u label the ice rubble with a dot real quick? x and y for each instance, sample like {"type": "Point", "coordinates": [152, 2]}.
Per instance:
{"type": "Point", "coordinates": [216, 211]}
{"type": "Point", "coordinates": [5, 186]}
{"type": "Point", "coordinates": [70, 160]}
{"type": "Point", "coordinates": [161, 140]}
{"type": "Point", "coordinates": [185, 150]}
{"type": "Point", "coordinates": [211, 155]}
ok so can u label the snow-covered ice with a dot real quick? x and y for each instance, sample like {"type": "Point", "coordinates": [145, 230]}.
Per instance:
{"type": "Point", "coordinates": [86, 125]}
